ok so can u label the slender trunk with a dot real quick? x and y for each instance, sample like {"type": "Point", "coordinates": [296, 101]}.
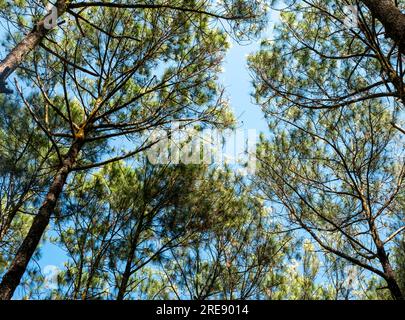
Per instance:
{"type": "Point", "coordinates": [125, 276]}
{"type": "Point", "coordinates": [128, 267]}
{"type": "Point", "coordinates": [390, 276]}
{"type": "Point", "coordinates": [391, 18]}
{"type": "Point", "coordinates": [24, 254]}
{"type": "Point", "coordinates": [9, 220]}
{"type": "Point", "coordinates": [14, 59]}
{"type": "Point", "coordinates": [92, 273]}
{"type": "Point", "coordinates": [5, 226]}
{"type": "Point", "coordinates": [79, 281]}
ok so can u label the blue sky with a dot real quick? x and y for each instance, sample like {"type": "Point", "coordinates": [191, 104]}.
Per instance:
{"type": "Point", "coordinates": [237, 82]}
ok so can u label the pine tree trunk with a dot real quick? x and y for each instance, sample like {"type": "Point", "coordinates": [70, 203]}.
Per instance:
{"type": "Point", "coordinates": [389, 274]}
{"type": "Point", "coordinates": [391, 17]}
{"type": "Point", "coordinates": [128, 266]}
{"type": "Point", "coordinates": [390, 277]}
{"type": "Point", "coordinates": [125, 276]}
{"type": "Point", "coordinates": [24, 254]}
{"type": "Point", "coordinates": [9, 220]}
{"type": "Point", "coordinates": [28, 44]}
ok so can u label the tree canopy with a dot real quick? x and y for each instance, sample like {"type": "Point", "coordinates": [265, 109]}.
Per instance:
{"type": "Point", "coordinates": [89, 88]}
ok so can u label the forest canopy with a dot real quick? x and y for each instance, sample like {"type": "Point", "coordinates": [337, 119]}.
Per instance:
{"type": "Point", "coordinates": [315, 208]}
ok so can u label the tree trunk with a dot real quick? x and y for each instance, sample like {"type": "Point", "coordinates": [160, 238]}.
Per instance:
{"type": "Point", "coordinates": [391, 18]}
{"type": "Point", "coordinates": [126, 275]}
{"type": "Point", "coordinates": [389, 274]}
{"type": "Point", "coordinates": [24, 254]}
{"type": "Point", "coordinates": [390, 277]}
{"type": "Point", "coordinates": [9, 220]}
{"type": "Point", "coordinates": [128, 267]}
{"type": "Point", "coordinates": [28, 44]}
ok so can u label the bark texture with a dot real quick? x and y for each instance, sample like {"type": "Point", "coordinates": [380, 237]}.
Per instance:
{"type": "Point", "coordinates": [390, 276]}
{"type": "Point", "coordinates": [14, 59]}
{"type": "Point", "coordinates": [383, 257]}
{"type": "Point", "coordinates": [391, 17]}
{"type": "Point", "coordinates": [24, 254]}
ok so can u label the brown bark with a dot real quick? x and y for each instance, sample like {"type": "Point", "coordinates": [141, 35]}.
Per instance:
{"type": "Point", "coordinates": [24, 254]}
{"type": "Point", "coordinates": [390, 276]}
{"type": "Point", "coordinates": [391, 18]}
{"type": "Point", "coordinates": [391, 280]}
{"type": "Point", "coordinates": [125, 276]}
{"type": "Point", "coordinates": [14, 59]}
